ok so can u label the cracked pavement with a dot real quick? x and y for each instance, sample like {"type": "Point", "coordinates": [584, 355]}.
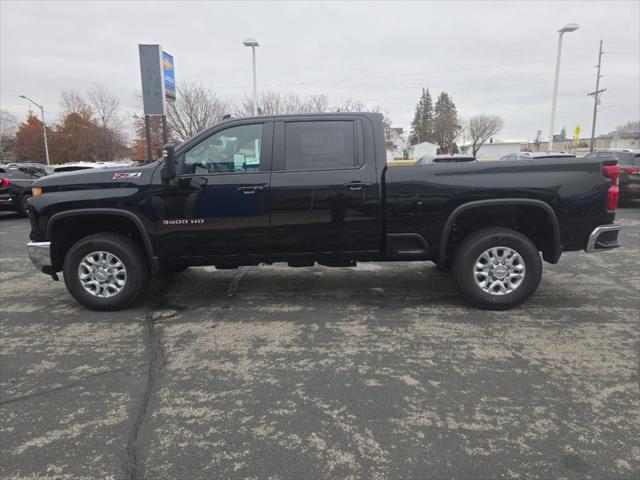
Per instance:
{"type": "Point", "coordinates": [377, 372]}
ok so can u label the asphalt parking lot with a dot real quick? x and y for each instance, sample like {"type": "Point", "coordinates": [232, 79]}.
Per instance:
{"type": "Point", "coordinates": [377, 372]}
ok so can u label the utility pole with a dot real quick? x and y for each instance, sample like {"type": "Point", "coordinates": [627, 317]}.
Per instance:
{"type": "Point", "coordinates": [595, 94]}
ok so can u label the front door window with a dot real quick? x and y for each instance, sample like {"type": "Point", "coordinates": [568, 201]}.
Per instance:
{"type": "Point", "coordinates": [234, 150]}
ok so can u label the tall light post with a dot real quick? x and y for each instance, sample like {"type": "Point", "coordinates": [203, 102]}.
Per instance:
{"type": "Point", "coordinates": [250, 42]}
{"type": "Point", "coordinates": [569, 27]}
{"type": "Point", "coordinates": [44, 125]}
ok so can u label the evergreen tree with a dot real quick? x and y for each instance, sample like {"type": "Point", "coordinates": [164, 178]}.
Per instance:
{"type": "Point", "coordinates": [445, 123]}
{"type": "Point", "coordinates": [422, 124]}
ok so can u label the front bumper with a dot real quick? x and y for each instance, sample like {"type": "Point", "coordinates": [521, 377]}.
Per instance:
{"type": "Point", "coordinates": [40, 254]}
{"type": "Point", "coordinates": [604, 237]}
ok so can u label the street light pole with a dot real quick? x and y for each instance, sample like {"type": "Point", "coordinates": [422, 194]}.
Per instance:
{"type": "Point", "coordinates": [570, 27]}
{"type": "Point", "coordinates": [44, 125]}
{"type": "Point", "coordinates": [250, 42]}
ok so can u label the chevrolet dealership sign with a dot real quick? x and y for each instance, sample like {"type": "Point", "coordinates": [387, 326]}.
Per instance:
{"type": "Point", "coordinates": [158, 79]}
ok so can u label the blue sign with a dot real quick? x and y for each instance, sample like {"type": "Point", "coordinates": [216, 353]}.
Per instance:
{"type": "Point", "coordinates": [169, 76]}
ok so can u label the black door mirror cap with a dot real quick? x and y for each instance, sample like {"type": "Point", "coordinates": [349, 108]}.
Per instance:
{"type": "Point", "coordinates": [168, 171]}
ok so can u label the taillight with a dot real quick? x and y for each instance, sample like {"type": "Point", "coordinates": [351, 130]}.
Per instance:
{"type": "Point", "coordinates": [632, 170]}
{"type": "Point", "coordinates": [612, 199]}
{"type": "Point", "coordinates": [4, 182]}
{"type": "Point", "coordinates": [612, 172]}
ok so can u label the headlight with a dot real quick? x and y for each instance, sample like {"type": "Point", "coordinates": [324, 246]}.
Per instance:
{"type": "Point", "coordinates": [36, 191]}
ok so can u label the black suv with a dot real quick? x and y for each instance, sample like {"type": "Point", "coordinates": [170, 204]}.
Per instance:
{"type": "Point", "coordinates": [15, 185]}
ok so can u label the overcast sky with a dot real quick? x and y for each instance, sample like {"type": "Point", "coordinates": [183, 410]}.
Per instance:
{"type": "Point", "coordinates": [495, 57]}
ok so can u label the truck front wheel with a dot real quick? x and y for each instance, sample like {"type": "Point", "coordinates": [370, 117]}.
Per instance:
{"type": "Point", "coordinates": [105, 271]}
{"type": "Point", "coordinates": [497, 268]}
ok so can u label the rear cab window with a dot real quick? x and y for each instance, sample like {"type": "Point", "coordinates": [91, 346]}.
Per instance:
{"type": "Point", "coordinates": [321, 145]}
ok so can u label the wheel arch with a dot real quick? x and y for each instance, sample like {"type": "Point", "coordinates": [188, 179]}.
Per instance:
{"type": "Point", "coordinates": [551, 255]}
{"type": "Point", "coordinates": [115, 218]}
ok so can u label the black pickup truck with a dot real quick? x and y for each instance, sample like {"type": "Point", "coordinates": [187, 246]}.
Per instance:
{"type": "Point", "coordinates": [314, 188]}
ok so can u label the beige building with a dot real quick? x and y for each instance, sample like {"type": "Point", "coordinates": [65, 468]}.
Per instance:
{"type": "Point", "coordinates": [629, 140]}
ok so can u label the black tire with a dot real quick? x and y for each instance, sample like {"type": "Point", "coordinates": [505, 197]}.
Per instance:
{"type": "Point", "coordinates": [23, 208]}
{"type": "Point", "coordinates": [129, 252]}
{"type": "Point", "coordinates": [475, 245]}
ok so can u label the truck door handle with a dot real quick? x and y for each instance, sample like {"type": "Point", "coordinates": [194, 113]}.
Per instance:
{"type": "Point", "coordinates": [249, 190]}
{"type": "Point", "coordinates": [355, 186]}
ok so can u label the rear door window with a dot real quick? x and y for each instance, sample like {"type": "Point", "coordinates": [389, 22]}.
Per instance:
{"type": "Point", "coordinates": [320, 145]}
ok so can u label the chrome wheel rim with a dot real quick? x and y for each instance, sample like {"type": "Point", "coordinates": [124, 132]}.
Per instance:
{"type": "Point", "coordinates": [499, 271]}
{"type": "Point", "coordinates": [102, 274]}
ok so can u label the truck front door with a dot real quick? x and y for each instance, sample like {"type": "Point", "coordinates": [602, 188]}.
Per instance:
{"type": "Point", "coordinates": [324, 194]}
{"type": "Point", "coordinates": [218, 203]}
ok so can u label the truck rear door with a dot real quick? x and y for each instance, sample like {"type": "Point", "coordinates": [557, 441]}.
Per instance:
{"type": "Point", "coordinates": [324, 194]}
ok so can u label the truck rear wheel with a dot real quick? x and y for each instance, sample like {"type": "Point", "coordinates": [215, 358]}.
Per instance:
{"type": "Point", "coordinates": [105, 271]}
{"type": "Point", "coordinates": [497, 268]}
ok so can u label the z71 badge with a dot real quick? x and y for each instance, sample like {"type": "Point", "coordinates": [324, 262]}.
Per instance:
{"type": "Point", "coordinates": [122, 175]}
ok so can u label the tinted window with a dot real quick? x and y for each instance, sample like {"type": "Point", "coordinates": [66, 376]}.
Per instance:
{"type": "Point", "coordinates": [320, 145]}
{"type": "Point", "coordinates": [33, 172]}
{"type": "Point", "coordinates": [627, 158]}
{"type": "Point", "coordinates": [15, 172]}
{"type": "Point", "coordinates": [236, 149]}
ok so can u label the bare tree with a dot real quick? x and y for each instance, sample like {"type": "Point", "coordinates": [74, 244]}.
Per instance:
{"type": "Point", "coordinates": [105, 106]}
{"type": "Point", "coordinates": [481, 128]}
{"type": "Point", "coordinates": [318, 103]}
{"type": "Point", "coordinates": [73, 102]}
{"type": "Point", "coordinates": [349, 104]}
{"type": "Point", "coordinates": [629, 127]}
{"type": "Point", "coordinates": [274, 103]}
{"type": "Point", "coordinates": [111, 135]}
{"type": "Point", "coordinates": [8, 128]}
{"type": "Point", "coordinates": [195, 109]}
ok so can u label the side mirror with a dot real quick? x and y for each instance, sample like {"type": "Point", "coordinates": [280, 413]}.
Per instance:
{"type": "Point", "coordinates": [168, 171]}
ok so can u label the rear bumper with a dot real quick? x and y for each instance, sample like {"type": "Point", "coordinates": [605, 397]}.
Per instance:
{"type": "Point", "coordinates": [604, 237]}
{"type": "Point", "coordinates": [40, 254]}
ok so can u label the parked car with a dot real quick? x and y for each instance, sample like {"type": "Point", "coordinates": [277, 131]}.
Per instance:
{"type": "Point", "coordinates": [629, 162]}
{"type": "Point", "coordinates": [537, 156]}
{"type": "Point", "coordinates": [455, 158]}
{"type": "Point", "coordinates": [75, 166]}
{"type": "Point", "coordinates": [290, 188]}
{"type": "Point", "coordinates": [15, 185]}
